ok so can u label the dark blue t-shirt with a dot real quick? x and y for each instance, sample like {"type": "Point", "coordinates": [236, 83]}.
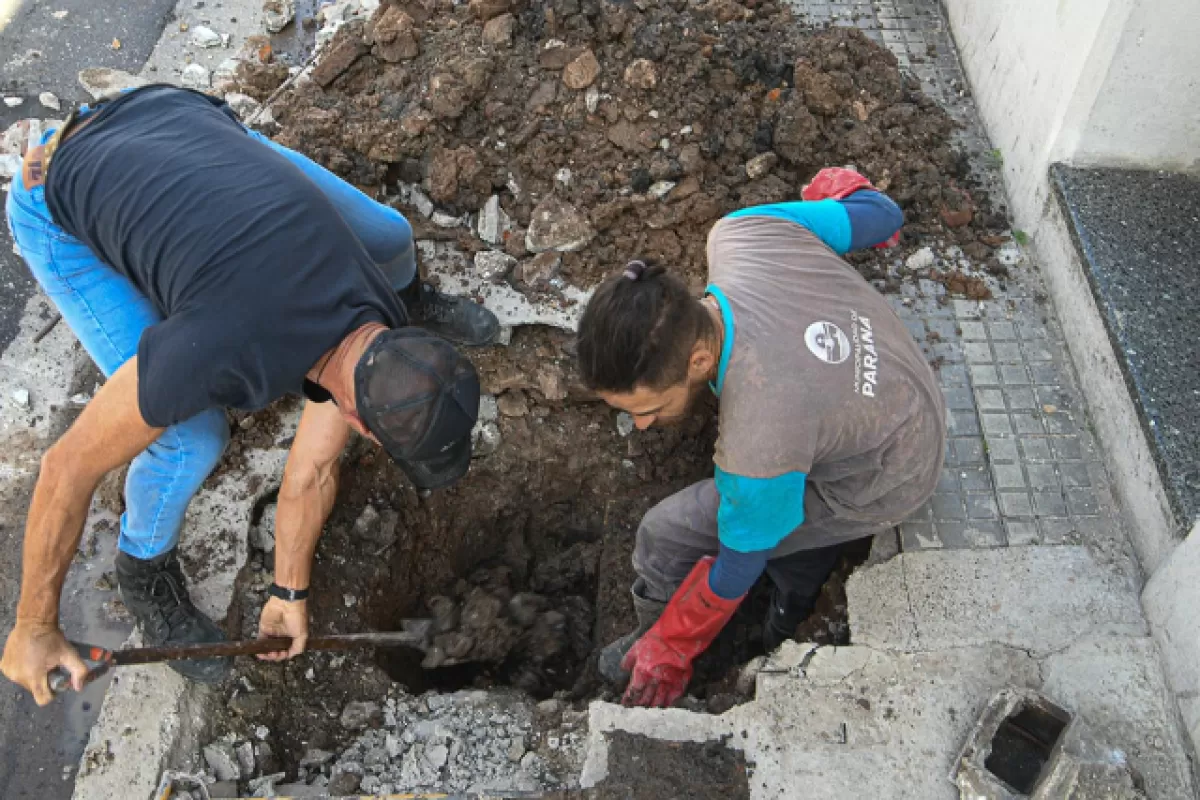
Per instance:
{"type": "Point", "coordinates": [255, 273]}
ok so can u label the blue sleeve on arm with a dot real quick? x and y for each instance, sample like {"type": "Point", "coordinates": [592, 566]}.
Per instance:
{"type": "Point", "coordinates": [825, 218]}
{"type": "Point", "coordinates": [734, 573]}
{"type": "Point", "coordinates": [874, 217]}
{"type": "Point", "coordinates": [758, 513]}
{"type": "Point", "coordinates": [863, 219]}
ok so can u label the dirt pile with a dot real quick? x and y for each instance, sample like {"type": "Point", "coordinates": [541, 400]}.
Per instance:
{"type": "Point", "coordinates": [634, 125]}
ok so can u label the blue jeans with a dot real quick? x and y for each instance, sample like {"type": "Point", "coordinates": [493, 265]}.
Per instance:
{"type": "Point", "coordinates": [108, 314]}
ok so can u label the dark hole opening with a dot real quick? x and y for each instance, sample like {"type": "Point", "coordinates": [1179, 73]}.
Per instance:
{"type": "Point", "coordinates": [1023, 745]}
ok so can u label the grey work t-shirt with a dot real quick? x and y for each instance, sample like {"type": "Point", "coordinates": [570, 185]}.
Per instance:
{"type": "Point", "coordinates": [823, 377]}
{"type": "Point", "coordinates": [250, 265]}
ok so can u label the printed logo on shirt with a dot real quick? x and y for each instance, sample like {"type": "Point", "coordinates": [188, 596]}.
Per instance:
{"type": "Point", "coordinates": [866, 358]}
{"type": "Point", "coordinates": [827, 342]}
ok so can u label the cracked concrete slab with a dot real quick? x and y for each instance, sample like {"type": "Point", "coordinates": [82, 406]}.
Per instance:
{"type": "Point", "coordinates": [1041, 599]}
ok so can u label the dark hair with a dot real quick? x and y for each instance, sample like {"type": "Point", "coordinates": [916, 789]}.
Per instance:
{"type": "Point", "coordinates": [639, 329]}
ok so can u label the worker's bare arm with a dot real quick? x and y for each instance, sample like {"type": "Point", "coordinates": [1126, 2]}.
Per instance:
{"type": "Point", "coordinates": [306, 497]}
{"type": "Point", "coordinates": [108, 433]}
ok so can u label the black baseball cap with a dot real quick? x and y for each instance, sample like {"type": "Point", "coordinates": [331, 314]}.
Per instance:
{"type": "Point", "coordinates": [419, 397]}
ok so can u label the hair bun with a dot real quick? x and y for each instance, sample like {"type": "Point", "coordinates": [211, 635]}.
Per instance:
{"type": "Point", "coordinates": [634, 269]}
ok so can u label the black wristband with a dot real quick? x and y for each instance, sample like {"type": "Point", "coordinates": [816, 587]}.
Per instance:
{"type": "Point", "coordinates": [291, 595]}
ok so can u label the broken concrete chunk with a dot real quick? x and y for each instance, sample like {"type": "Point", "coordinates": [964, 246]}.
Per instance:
{"type": "Point", "coordinates": [343, 783]}
{"type": "Point", "coordinates": [358, 714]}
{"type": "Point", "coordinates": [437, 755]}
{"type": "Point", "coordinates": [641, 74]}
{"type": "Point", "coordinates": [100, 82]}
{"type": "Point", "coordinates": [204, 36]}
{"type": "Point", "coordinates": [279, 14]}
{"type": "Point", "coordinates": [557, 225]}
{"type": "Point", "coordinates": [444, 220]}
{"type": "Point", "coordinates": [50, 101]}
{"type": "Point", "coordinates": [920, 260]}
{"type": "Point", "coordinates": [582, 72]}
{"type": "Point", "coordinates": [761, 165]}
{"type": "Point", "coordinates": [367, 524]}
{"type": "Point", "coordinates": [493, 222]}
{"type": "Point", "coordinates": [243, 105]}
{"type": "Point", "coordinates": [591, 99]}
{"type": "Point", "coordinates": [625, 424]}
{"type": "Point", "coordinates": [223, 789]}
{"type": "Point", "coordinates": [13, 102]}
{"type": "Point", "coordinates": [223, 761]}
{"type": "Point", "coordinates": [661, 189]}
{"type": "Point", "coordinates": [498, 31]}
{"type": "Point", "coordinates": [195, 76]}
{"type": "Point", "coordinates": [21, 397]}
{"type": "Point", "coordinates": [245, 757]}
{"type": "Point", "coordinates": [493, 265]}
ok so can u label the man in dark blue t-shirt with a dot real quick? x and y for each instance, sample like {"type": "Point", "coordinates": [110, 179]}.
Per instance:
{"type": "Point", "coordinates": [202, 266]}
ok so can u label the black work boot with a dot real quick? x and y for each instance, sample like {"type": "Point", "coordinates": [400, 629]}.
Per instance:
{"type": "Point", "coordinates": [154, 592]}
{"type": "Point", "coordinates": [458, 319]}
{"type": "Point", "coordinates": [787, 611]}
{"type": "Point", "coordinates": [648, 611]}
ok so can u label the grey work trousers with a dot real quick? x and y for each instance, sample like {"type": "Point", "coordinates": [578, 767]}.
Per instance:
{"type": "Point", "coordinates": [682, 529]}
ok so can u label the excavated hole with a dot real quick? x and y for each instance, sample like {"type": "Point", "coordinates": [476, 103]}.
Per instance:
{"type": "Point", "coordinates": [532, 548]}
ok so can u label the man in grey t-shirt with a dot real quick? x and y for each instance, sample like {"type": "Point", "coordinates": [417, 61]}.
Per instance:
{"type": "Point", "coordinates": [832, 426]}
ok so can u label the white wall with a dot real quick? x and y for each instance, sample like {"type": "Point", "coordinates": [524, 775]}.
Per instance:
{"type": "Point", "coordinates": [1035, 68]}
{"type": "Point", "coordinates": [1147, 113]}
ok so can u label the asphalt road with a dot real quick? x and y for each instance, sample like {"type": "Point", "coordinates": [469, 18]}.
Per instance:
{"type": "Point", "coordinates": [42, 49]}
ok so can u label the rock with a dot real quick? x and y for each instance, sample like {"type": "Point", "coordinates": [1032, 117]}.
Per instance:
{"type": "Point", "coordinates": [539, 270]}
{"type": "Point", "coordinates": [551, 382]}
{"type": "Point", "coordinates": [224, 77]}
{"type": "Point", "coordinates": [516, 749]}
{"type": "Point", "coordinates": [343, 783]}
{"type": "Point", "coordinates": [266, 785]}
{"type": "Point", "coordinates": [50, 101]}
{"type": "Point", "coordinates": [493, 265]}
{"type": "Point", "coordinates": [448, 96]}
{"type": "Point", "coordinates": [245, 757]}
{"type": "Point", "coordinates": [557, 225]}
{"type": "Point", "coordinates": [555, 55]}
{"type": "Point", "coordinates": [485, 10]}
{"type": "Point", "coordinates": [278, 14]}
{"type": "Point", "coordinates": [920, 260]}
{"type": "Point", "coordinates": [444, 220]}
{"type": "Point", "coordinates": [545, 94]}
{"type": "Point", "coordinates": [243, 105]}
{"type": "Point", "coordinates": [627, 136]}
{"type": "Point", "coordinates": [437, 755]}
{"type": "Point", "coordinates": [396, 36]}
{"type": "Point", "coordinates": [551, 706]}
{"type": "Point", "coordinates": [421, 202]}
{"type": "Point", "coordinates": [357, 714]}
{"type": "Point", "coordinates": [204, 36]}
{"type": "Point", "coordinates": [625, 424]}
{"type": "Point", "coordinates": [223, 761]}
{"type": "Point", "coordinates": [958, 217]}
{"type": "Point", "coordinates": [513, 404]}
{"type": "Point", "coordinates": [13, 102]}
{"type": "Point", "coordinates": [493, 222]}
{"type": "Point", "coordinates": [102, 81]}
{"type": "Point", "coordinates": [661, 189]}
{"type": "Point", "coordinates": [563, 177]}
{"type": "Point", "coordinates": [262, 537]}
{"type": "Point", "coordinates": [21, 397]}
{"type": "Point", "coordinates": [194, 76]}
{"type": "Point", "coordinates": [315, 758]}
{"type": "Point", "coordinates": [261, 732]}
{"type": "Point", "coordinates": [488, 411]}
{"type": "Point", "coordinates": [498, 31]}
{"type": "Point", "coordinates": [761, 165]}
{"type": "Point", "coordinates": [367, 524]}
{"type": "Point", "coordinates": [641, 74]}
{"type": "Point", "coordinates": [345, 49]}
{"type": "Point", "coordinates": [582, 72]}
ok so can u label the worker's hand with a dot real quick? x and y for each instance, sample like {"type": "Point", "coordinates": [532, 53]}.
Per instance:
{"type": "Point", "coordinates": [32, 651]}
{"type": "Point", "coordinates": [836, 182]}
{"type": "Point", "coordinates": [284, 618]}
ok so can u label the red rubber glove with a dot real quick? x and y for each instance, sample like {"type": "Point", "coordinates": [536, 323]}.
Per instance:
{"type": "Point", "coordinates": [836, 182]}
{"type": "Point", "coordinates": [839, 183]}
{"type": "Point", "coordinates": [660, 662]}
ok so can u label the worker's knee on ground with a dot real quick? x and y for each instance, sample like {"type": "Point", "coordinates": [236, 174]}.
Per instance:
{"type": "Point", "coordinates": [195, 446]}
